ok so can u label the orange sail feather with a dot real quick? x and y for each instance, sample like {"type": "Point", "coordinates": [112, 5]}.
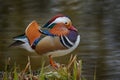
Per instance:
{"type": "Point", "coordinates": [32, 32]}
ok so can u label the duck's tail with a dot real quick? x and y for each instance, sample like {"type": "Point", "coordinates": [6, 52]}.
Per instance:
{"type": "Point", "coordinates": [27, 39]}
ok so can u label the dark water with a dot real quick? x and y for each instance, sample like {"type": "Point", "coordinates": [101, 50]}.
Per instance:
{"type": "Point", "coordinates": [98, 22]}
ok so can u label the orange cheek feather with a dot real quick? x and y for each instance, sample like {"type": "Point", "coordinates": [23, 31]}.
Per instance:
{"type": "Point", "coordinates": [59, 29]}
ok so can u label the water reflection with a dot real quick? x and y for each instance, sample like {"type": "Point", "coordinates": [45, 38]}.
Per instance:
{"type": "Point", "coordinates": [97, 22]}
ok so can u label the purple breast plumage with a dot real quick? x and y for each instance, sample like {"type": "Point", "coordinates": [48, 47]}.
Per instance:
{"type": "Point", "coordinates": [69, 39]}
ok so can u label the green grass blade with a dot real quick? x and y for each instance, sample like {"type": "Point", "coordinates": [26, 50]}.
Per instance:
{"type": "Point", "coordinates": [15, 73]}
{"type": "Point", "coordinates": [41, 75]}
{"type": "Point", "coordinates": [75, 71]}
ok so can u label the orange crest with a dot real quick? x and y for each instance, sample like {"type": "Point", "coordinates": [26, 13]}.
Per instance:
{"type": "Point", "coordinates": [32, 32]}
{"type": "Point", "coordinates": [59, 30]}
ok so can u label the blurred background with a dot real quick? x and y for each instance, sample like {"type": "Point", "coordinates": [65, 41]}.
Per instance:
{"type": "Point", "coordinates": [98, 23]}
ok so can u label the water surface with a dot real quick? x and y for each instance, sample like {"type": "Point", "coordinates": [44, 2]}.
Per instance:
{"type": "Point", "coordinates": [97, 23]}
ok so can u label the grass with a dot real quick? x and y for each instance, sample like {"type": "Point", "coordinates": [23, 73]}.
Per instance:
{"type": "Point", "coordinates": [70, 71]}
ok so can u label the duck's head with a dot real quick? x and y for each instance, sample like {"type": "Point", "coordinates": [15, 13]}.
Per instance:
{"type": "Point", "coordinates": [60, 25]}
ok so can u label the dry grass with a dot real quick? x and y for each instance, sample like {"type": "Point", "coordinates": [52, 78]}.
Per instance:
{"type": "Point", "coordinates": [70, 71]}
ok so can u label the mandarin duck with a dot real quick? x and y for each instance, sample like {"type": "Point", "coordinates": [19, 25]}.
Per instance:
{"type": "Point", "coordinates": [57, 37]}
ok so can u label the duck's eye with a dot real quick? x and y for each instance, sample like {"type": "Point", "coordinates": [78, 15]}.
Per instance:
{"type": "Point", "coordinates": [66, 23]}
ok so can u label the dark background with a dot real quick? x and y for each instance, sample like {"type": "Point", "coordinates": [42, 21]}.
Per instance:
{"type": "Point", "coordinates": [98, 23]}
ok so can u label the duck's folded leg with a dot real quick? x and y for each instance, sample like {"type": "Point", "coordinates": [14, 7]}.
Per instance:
{"type": "Point", "coordinates": [53, 64]}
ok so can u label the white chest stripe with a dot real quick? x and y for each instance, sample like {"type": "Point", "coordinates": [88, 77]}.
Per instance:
{"type": "Point", "coordinates": [64, 42]}
{"type": "Point", "coordinates": [69, 41]}
{"type": "Point", "coordinates": [64, 52]}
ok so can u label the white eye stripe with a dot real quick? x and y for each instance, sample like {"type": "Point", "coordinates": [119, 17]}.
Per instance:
{"type": "Point", "coordinates": [62, 19]}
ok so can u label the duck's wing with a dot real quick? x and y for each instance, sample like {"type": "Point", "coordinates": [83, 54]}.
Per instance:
{"type": "Point", "coordinates": [56, 29]}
